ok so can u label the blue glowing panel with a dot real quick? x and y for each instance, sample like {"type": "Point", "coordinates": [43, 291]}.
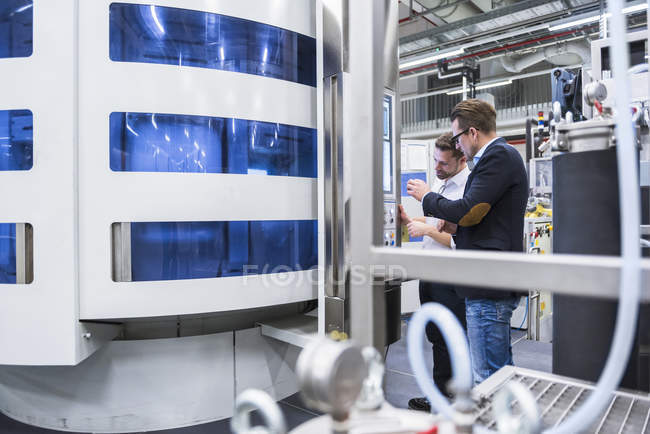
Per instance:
{"type": "Point", "coordinates": [172, 36]}
{"type": "Point", "coordinates": [16, 139]}
{"type": "Point", "coordinates": [195, 250]}
{"type": "Point", "coordinates": [16, 28]}
{"type": "Point", "coordinates": [7, 253]}
{"type": "Point", "coordinates": [151, 142]}
{"type": "Point", "coordinates": [411, 175]}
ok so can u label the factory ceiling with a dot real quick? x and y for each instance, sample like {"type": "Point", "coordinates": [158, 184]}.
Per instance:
{"type": "Point", "coordinates": [487, 28]}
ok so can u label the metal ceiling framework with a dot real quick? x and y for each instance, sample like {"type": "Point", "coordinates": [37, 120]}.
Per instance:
{"type": "Point", "coordinates": [415, 10]}
{"type": "Point", "coordinates": [497, 20]}
{"type": "Point", "coordinates": [515, 29]}
{"type": "Point", "coordinates": [532, 31]}
{"type": "Point", "coordinates": [425, 11]}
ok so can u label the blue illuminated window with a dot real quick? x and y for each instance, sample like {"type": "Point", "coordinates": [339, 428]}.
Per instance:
{"type": "Point", "coordinates": [194, 250]}
{"type": "Point", "coordinates": [172, 36]}
{"type": "Point", "coordinates": [16, 28]}
{"type": "Point", "coordinates": [7, 253]}
{"type": "Point", "coordinates": [151, 142]}
{"type": "Point", "coordinates": [16, 139]}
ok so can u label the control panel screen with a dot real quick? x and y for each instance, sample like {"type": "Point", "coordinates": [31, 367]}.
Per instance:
{"type": "Point", "coordinates": [388, 146]}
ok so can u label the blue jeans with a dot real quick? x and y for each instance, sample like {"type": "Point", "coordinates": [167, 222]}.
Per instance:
{"type": "Point", "coordinates": [488, 331]}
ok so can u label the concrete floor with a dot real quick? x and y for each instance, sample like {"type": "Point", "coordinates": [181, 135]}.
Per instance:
{"type": "Point", "coordinates": [399, 384]}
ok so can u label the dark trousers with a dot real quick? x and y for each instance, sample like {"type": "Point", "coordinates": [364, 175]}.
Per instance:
{"type": "Point", "coordinates": [445, 295]}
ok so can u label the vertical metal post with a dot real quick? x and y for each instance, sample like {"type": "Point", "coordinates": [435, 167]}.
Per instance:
{"type": "Point", "coordinates": [464, 87]}
{"type": "Point", "coordinates": [366, 43]}
{"type": "Point", "coordinates": [602, 28]}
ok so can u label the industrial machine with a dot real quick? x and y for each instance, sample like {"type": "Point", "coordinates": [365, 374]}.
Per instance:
{"type": "Point", "coordinates": [538, 306]}
{"type": "Point", "coordinates": [534, 312]}
{"type": "Point", "coordinates": [567, 90]}
{"type": "Point", "coordinates": [585, 184]}
{"type": "Point", "coordinates": [159, 173]}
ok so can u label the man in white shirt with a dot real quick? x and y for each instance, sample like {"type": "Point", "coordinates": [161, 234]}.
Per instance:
{"type": "Point", "coordinates": [451, 172]}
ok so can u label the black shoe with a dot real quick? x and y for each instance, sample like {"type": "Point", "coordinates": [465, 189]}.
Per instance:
{"type": "Point", "coordinates": [420, 404]}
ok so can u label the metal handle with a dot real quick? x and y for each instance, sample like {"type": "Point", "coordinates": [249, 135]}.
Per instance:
{"type": "Point", "coordinates": [121, 252]}
{"type": "Point", "coordinates": [335, 273]}
{"type": "Point", "coordinates": [24, 253]}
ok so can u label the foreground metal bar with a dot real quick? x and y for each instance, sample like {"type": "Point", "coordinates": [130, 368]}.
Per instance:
{"type": "Point", "coordinates": [363, 112]}
{"type": "Point", "coordinates": [592, 276]}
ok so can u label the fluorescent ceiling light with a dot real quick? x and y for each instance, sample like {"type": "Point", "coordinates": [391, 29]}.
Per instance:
{"type": "Point", "coordinates": [482, 86]}
{"type": "Point", "coordinates": [575, 23]}
{"type": "Point", "coordinates": [594, 18]}
{"type": "Point", "coordinates": [635, 8]}
{"type": "Point", "coordinates": [432, 58]}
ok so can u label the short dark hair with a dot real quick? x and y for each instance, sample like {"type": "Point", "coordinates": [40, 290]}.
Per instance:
{"type": "Point", "coordinates": [475, 113]}
{"type": "Point", "coordinates": [444, 144]}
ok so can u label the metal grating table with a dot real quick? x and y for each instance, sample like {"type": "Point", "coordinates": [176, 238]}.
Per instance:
{"type": "Point", "coordinates": [557, 397]}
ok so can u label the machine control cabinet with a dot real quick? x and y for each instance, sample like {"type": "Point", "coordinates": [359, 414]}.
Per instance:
{"type": "Point", "coordinates": [390, 171]}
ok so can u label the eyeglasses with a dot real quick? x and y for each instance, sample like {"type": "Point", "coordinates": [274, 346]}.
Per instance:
{"type": "Point", "coordinates": [454, 139]}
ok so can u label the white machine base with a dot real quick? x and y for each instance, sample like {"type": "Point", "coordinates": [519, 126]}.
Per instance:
{"type": "Point", "coordinates": [148, 385]}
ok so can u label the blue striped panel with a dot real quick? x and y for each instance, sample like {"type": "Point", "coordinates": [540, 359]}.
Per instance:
{"type": "Point", "coordinates": [152, 142]}
{"type": "Point", "coordinates": [16, 28]}
{"type": "Point", "coordinates": [16, 139]}
{"type": "Point", "coordinates": [172, 36]}
{"type": "Point", "coordinates": [194, 250]}
{"type": "Point", "coordinates": [7, 253]}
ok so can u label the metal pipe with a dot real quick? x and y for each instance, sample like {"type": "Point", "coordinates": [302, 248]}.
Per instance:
{"type": "Point", "coordinates": [454, 335]}
{"type": "Point", "coordinates": [538, 313]}
{"type": "Point", "coordinates": [529, 333]}
{"type": "Point", "coordinates": [486, 59]}
{"type": "Point", "coordinates": [411, 10]}
{"type": "Point", "coordinates": [492, 50]}
{"type": "Point", "coordinates": [437, 8]}
{"type": "Point", "coordinates": [253, 399]}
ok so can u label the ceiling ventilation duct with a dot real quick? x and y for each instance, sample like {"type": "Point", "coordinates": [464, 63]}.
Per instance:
{"type": "Point", "coordinates": [561, 54]}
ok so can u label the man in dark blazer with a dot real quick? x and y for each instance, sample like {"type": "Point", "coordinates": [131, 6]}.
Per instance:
{"type": "Point", "coordinates": [490, 216]}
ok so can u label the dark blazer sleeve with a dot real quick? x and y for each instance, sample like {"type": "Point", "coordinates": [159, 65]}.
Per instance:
{"type": "Point", "coordinates": [490, 179]}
